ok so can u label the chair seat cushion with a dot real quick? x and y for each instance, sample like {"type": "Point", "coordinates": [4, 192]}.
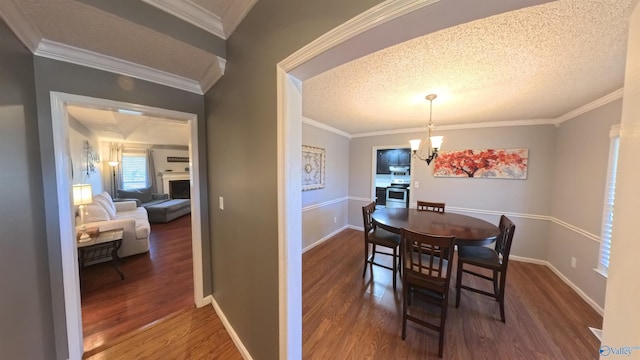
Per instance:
{"type": "Point", "coordinates": [384, 238]}
{"type": "Point", "coordinates": [479, 255]}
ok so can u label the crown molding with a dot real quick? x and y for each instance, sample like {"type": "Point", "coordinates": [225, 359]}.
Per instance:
{"type": "Point", "coordinates": [57, 51]}
{"type": "Point", "coordinates": [326, 127]}
{"type": "Point", "coordinates": [382, 13]}
{"type": "Point", "coordinates": [20, 24]}
{"type": "Point", "coordinates": [191, 13]}
{"type": "Point", "coordinates": [213, 73]}
{"type": "Point", "coordinates": [490, 124]}
{"type": "Point", "coordinates": [234, 15]}
{"type": "Point", "coordinates": [617, 94]}
{"type": "Point", "coordinates": [532, 122]}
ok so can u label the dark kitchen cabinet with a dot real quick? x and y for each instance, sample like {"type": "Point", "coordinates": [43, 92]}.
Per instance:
{"type": "Point", "coordinates": [381, 196]}
{"type": "Point", "coordinates": [382, 164]}
{"type": "Point", "coordinates": [404, 157]}
{"type": "Point", "coordinates": [392, 157]}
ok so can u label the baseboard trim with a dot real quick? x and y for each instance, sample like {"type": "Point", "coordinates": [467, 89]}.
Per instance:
{"type": "Point", "coordinates": [234, 336]}
{"type": "Point", "coordinates": [325, 238]}
{"type": "Point", "coordinates": [529, 260]}
{"type": "Point", "coordinates": [566, 280]}
{"type": "Point", "coordinates": [575, 288]}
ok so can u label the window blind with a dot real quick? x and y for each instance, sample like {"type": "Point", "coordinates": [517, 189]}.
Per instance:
{"type": "Point", "coordinates": [134, 170]}
{"type": "Point", "coordinates": [608, 208]}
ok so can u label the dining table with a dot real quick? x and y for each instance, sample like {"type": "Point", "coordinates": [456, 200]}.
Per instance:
{"type": "Point", "coordinates": [468, 230]}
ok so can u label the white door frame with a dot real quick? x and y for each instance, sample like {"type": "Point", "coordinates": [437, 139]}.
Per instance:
{"type": "Point", "coordinates": [69, 252]}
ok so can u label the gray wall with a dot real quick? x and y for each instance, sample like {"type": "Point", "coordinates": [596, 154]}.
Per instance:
{"type": "Point", "coordinates": [26, 323]}
{"type": "Point", "coordinates": [53, 75]}
{"type": "Point", "coordinates": [578, 196]}
{"type": "Point", "coordinates": [242, 124]}
{"type": "Point", "coordinates": [521, 197]}
{"type": "Point", "coordinates": [321, 216]}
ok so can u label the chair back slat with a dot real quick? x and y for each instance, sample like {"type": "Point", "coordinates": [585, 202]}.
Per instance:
{"type": "Point", "coordinates": [430, 206]}
{"type": "Point", "coordinates": [367, 210]}
{"type": "Point", "coordinates": [504, 240]}
{"type": "Point", "coordinates": [423, 254]}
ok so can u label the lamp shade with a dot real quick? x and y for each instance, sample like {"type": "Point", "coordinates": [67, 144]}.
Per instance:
{"type": "Point", "coordinates": [436, 141]}
{"type": "Point", "coordinates": [113, 163]}
{"type": "Point", "coordinates": [415, 144]}
{"type": "Point", "coordinates": [82, 194]}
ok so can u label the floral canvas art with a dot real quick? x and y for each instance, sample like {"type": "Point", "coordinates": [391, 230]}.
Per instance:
{"type": "Point", "coordinates": [487, 163]}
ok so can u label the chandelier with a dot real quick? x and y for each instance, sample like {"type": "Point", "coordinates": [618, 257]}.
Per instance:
{"type": "Point", "coordinates": [432, 143]}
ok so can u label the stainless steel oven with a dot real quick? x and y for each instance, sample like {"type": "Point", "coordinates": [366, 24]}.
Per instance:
{"type": "Point", "coordinates": [398, 195]}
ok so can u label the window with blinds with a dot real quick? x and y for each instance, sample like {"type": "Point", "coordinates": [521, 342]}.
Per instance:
{"type": "Point", "coordinates": [134, 170]}
{"type": "Point", "coordinates": [609, 199]}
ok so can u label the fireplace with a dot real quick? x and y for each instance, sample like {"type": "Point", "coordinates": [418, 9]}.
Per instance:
{"type": "Point", "coordinates": [179, 189]}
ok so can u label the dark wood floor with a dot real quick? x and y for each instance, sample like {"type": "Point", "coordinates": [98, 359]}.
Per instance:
{"type": "Point", "coordinates": [191, 334]}
{"type": "Point", "coordinates": [348, 317]}
{"type": "Point", "coordinates": [156, 285]}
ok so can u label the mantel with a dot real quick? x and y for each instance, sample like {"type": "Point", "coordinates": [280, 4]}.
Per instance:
{"type": "Point", "coordinates": [175, 175]}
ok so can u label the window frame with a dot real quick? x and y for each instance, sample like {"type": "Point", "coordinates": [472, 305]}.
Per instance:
{"type": "Point", "coordinates": [606, 230]}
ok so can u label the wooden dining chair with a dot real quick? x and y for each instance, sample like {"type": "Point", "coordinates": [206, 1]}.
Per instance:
{"type": "Point", "coordinates": [496, 260]}
{"type": "Point", "coordinates": [428, 274]}
{"type": "Point", "coordinates": [375, 236]}
{"type": "Point", "coordinates": [430, 206]}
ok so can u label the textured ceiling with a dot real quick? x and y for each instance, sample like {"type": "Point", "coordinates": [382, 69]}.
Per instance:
{"type": "Point", "coordinates": [535, 63]}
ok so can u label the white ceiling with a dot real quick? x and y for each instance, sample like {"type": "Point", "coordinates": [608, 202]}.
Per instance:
{"type": "Point", "coordinates": [113, 126]}
{"type": "Point", "coordinates": [531, 65]}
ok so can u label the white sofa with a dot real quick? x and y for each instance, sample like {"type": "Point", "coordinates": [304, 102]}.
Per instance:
{"type": "Point", "coordinates": [107, 215]}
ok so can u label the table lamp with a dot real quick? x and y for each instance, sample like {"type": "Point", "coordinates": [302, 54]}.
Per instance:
{"type": "Point", "coordinates": [82, 196]}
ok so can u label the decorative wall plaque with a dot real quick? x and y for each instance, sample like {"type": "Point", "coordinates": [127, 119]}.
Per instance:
{"type": "Point", "coordinates": [312, 168]}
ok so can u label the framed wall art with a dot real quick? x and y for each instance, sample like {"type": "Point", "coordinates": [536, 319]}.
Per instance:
{"type": "Point", "coordinates": [312, 168]}
{"type": "Point", "coordinates": [487, 163]}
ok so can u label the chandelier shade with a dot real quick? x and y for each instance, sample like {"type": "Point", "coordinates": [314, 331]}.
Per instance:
{"type": "Point", "coordinates": [432, 143]}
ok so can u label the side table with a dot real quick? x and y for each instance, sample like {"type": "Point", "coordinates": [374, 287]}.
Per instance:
{"type": "Point", "coordinates": [103, 244]}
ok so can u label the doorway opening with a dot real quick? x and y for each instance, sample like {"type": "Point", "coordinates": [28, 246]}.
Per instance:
{"type": "Point", "coordinates": [60, 126]}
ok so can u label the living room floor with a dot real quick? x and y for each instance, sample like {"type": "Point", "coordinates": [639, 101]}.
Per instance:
{"type": "Point", "coordinates": [157, 284]}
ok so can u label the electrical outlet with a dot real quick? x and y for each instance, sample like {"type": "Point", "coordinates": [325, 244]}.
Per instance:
{"type": "Point", "coordinates": [335, 220]}
{"type": "Point", "coordinates": [221, 203]}
{"type": "Point", "coordinates": [416, 184]}
{"type": "Point", "coordinates": [573, 262]}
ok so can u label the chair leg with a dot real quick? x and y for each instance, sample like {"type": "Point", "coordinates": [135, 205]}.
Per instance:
{"type": "Point", "coordinates": [495, 284]}
{"type": "Point", "coordinates": [366, 257]}
{"type": "Point", "coordinates": [405, 294]}
{"type": "Point", "coordinates": [503, 282]}
{"type": "Point", "coordinates": [458, 282]}
{"type": "Point", "coordinates": [443, 319]}
{"type": "Point", "coordinates": [395, 269]}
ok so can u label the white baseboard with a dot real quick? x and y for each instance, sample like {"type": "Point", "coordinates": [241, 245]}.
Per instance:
{"type": "Point", "coordinates": [597, 333]}
{"type": "Point", "coordinates": [360, 228]}
{"type": "Point", "coordinates": [234, 336]}
{"type": "Point", "coordinates": [329, 236]}
{"type": "Point", "coordinates": [204, 301]}
{"type": "Point", "coordinates": [575, 288]}
{"type": "Point", "coordinates": [566, 280]}
{"type": "Point", "coordinates": [529, 260]}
